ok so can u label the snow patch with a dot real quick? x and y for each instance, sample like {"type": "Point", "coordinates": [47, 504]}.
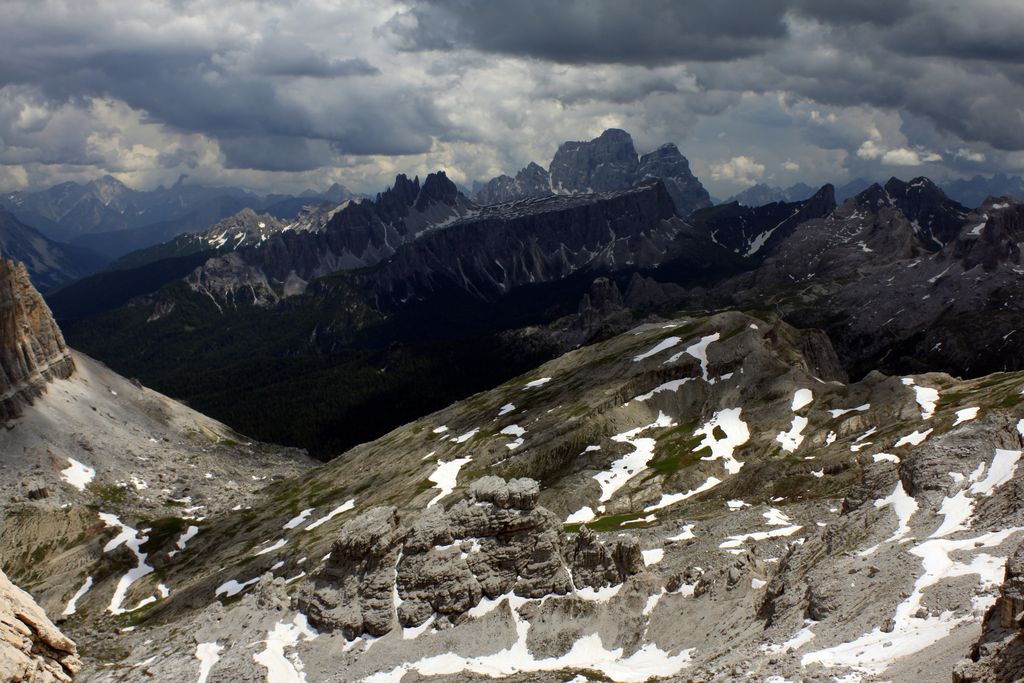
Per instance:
{"type": "Point", "coordinates": [344, 507]}
{"type": "Point", "coordinates": [966, 415]}
{"type": "Point", "coordinates": [78, 475]}
{"type": "Point", "coordinates": [668, 499]}
{"type": "Point", "coordinates": [667, 386]}
{"type": "Point", "coordinates": [926, 397]}
{"type": "Point", "coordinates": [208, 655]}
{"type": "Point", "coordinates": [282, 668]}
{"type": "Point", "coordinates": [73, 602]}
{"type": "Point", "coordinates": [663, 345]}
{"type": "Point", "coordinates": [915, 438]}
{"type": "Point", "coordinates": [653, 556]}
{"type": "Point", "coordinates": [792, 439]}
{"type": "Point", "coordinates": [802, 398]}
{"type": "Point", "coordinates": [839, 412]}
{"type": "Point", "coordinates": [133, 540]}
{"type": "Point", "coordinates": [298, 519]}
{"type": "Point", "coordinates": [445, 477]}
{"type": "Point", "coordinates": [631, 464]}
{"type": "Point", "coordinates": [736, 434]}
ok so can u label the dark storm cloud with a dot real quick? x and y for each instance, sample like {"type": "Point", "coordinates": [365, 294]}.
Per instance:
{"type": "Point", "coordinates": [958, 64]}
{"type": "Point", "coordinates": [226, 87]}
{"type": "Point", "coordinates": [877, 12]}
{"type": "Point", "coordinates": [290, 86]}
{"type": "Point", "coordinates": [276, 57]}
{"type": "Point", "coordinates": [596, 31]}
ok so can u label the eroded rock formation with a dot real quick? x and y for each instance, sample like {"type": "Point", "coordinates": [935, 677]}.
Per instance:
{"type": "Point", "coordinates": [32, 349]}
{"type": "Point", "coordinates": [496, 542]}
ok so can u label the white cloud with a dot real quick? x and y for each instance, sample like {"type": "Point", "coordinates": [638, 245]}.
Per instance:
{"type": "Point", "coordinates": [969, 155]}
{"type": "Point", "coordinates": [741, 170]}
{"type": "Point", "coordinates": [870, 149]}
{"type": "Point", "coordinates": [901, 156]}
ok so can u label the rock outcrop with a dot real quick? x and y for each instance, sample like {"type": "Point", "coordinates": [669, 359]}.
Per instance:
{"type": "Point", "coordinates": [998, 656]}
{"type": "Point", "coordinates": [32, 349]}
{"type": "Point", "coordinates": [496, 542]}
{"type": "Point", "coordinates": [32, 649]}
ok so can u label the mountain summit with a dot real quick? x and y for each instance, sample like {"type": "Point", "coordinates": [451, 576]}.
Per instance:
{"type": "Point", "coordinates": [608, 162]}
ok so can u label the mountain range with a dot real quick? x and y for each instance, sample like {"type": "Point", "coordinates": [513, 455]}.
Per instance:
{"type": "Point", "coordinates": [547, 431]}
{"type": "Point", "coordinates": [718, 470]}
{"type": "Point", "coordinates": [110, 218]}
{"type": "Point", "coordinates": [389, 293]}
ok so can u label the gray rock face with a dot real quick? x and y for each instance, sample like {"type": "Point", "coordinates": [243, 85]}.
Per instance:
{"type": "Point", "coordinates": [32, 349]}
{"type": "Point", "coordinates": [608, 162]}
{"type": "Point", "coordinates": [495, 542]}
{"type": "Point", "coordinates": [353, 591]}
{"type": "Point", "coordinates": [531, 181]}
{"type": "Point", "coordinates": [672, 167]}
{"type": "Point", "coordinates": [32, 649]}
{"type": "Point", "coordinates": [999, 654]}
{"type": "Point", "coordinates": [539, 240]}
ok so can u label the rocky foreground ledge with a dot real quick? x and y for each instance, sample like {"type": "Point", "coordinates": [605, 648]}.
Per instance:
{"type": "Point", "coordinates": [32, 649]}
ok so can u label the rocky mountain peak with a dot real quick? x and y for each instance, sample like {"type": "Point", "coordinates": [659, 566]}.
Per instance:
{"type": "Point", "coordinates": [337, 193]}
{"type": "Point", "coordinates": [436, 188]}
{"type": "Point", "coordinates": [531, 181]}
{"type": "Point", "coordinates": [822, 201]}
{"type": "Point", "coordinates": [32, 349]}
{"type": "Point", "coordinates": [668, 163]}
{"type": "Point", "coordinates": [873, 198]}
{"type": "Point", "coordinates": [607, 162]}
{"type": "Point", "coordinates": [533, 169]}
{"type": "Point", "coordinates": [937, 217]}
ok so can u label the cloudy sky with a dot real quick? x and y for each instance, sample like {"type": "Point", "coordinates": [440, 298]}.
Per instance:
{"type": "Point", "coordinates": [283, 95]}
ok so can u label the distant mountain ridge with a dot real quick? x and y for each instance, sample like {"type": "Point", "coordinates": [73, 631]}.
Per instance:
{"type": "Point", "coordinates": [973, 191]}
{"type": "Point", "coordinates": [108, 217]}
{"type": "Point", "coordinates": [761, 194]}
{"type": "Point", "coordinates": [50, 264]}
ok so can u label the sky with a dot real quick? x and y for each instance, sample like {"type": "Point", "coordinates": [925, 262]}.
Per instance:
{"type": "Point", "coordinates": [286, 95]}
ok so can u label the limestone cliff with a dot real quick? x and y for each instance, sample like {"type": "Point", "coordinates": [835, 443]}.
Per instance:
{"type": "Point", "coordinates": [32, 649]}
{"type": "Point", "coordinates": [32, 349]}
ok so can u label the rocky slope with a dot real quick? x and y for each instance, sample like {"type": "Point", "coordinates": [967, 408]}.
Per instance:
{"type": "Point", "coordinates": [754, 232]}
{"type": "Point", "coordinates": [32, 649]}
{"type": "Point", "coordinates": [719, 472]}
{"type": "Point", "coordinates": [32, 350]}
{"type": "Point", "coordinates": [77, 438]}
